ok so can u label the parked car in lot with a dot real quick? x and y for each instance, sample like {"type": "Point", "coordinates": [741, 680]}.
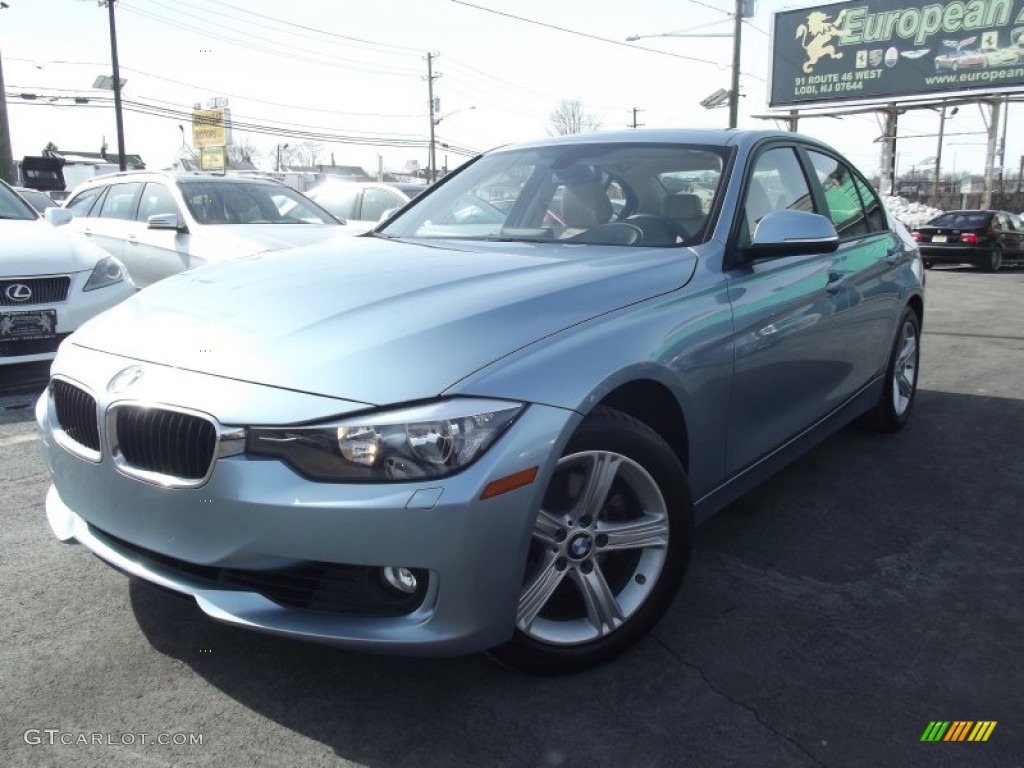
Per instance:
{"type": "Point", "coordinates": [986, 239]}
{"type": "Point", "coordinates": [490, 432]}
{"type": "Point", "coordinates": [361, 204]}
{"type": "Point", "coordinates": [162, 223]}
{"type": "Point", "coordinates": [51, 282]}
{"type": "Point", "coordinates": [38, 200]}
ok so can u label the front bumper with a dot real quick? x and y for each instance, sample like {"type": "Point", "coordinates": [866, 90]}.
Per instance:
{"type": "Point", "coordinates": [71, 314]}
{"type": "Point", "coordinates": [256, 515]}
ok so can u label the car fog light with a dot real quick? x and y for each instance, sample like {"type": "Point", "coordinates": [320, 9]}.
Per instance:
{"type": "Point", "coordinates": [399, 578]}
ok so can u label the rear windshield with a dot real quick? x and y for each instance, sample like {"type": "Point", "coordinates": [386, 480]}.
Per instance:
{"type": "Point", "coordinates": [962, 220]}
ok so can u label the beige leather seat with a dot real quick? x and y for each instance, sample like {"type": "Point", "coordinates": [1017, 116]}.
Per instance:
{"type": "Point", "coordinates": [585, 205]}
{"type": "Point", "coordinates": [686, 209]}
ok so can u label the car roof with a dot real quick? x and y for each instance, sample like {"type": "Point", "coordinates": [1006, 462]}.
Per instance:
{"type": "Point", "coordinates": [181, 176]}
{"type": "Point", "coordinates": [700, 136]}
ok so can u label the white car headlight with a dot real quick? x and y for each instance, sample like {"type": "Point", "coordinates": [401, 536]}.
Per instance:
{"type": "Point", "coordinates": [423, 441]}
{"type": "Point", "coordinates": [107, 271]}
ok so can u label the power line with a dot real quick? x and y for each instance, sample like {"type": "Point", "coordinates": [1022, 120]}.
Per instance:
{"type": "Point", "coordinates": [588, 36]}
{"type": "Point", "coordinates": [281, 27]}
{"type": "Point", "coordinates": [180, 115]}
{"type": "Point", "coordinates": [313, 29]}
{"type": "Point", "coordinates": [321, 62]}
{"type": "Point", "coordinates": [222, 92]}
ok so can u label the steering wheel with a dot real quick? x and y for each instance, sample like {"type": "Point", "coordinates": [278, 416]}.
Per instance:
{"type": "Point", "coordinates": [658, 229]}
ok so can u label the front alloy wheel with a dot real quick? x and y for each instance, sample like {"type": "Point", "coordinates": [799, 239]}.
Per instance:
{"type": "Point", "coordinates": [609, 548]}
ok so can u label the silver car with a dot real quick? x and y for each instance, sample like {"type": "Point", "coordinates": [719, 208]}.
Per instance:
{"type": "Point", "coordinates": [494, 422]}
{"type": "Point", "coordinates": [159, 223]}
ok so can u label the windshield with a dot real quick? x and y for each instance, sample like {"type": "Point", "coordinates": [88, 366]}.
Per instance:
{"type": "Point", "coordinates": [232, 202]}
{"type": "Point", "coordinates": [962, 220]}
{"type": "Point", "coordinates": [639, 194]}
{"type": "Point", "coordinates": [13, 207]}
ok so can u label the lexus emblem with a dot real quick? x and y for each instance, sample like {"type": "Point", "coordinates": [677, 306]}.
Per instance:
{"type": "Point", "coordinates": [124, 379]}
{"type": "Point", "coordinates": [18, 292]}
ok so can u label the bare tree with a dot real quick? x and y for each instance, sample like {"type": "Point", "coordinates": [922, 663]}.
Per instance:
{"type": "Point", "coordinates": [304, 153]}
{"type": "Point", "coordinates": [243, 150]}
{"type": "Point", "coordinates": [569, 117]}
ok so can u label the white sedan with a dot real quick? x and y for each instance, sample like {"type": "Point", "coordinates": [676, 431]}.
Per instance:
{"type": "Point", "coordinates": [51, 281]}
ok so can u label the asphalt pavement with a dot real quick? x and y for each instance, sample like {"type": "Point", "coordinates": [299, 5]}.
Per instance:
{"type": "Point", "coordinates": [828, 617]}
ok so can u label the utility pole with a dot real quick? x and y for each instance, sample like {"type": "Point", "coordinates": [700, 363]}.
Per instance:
{"type": "Point", "coordinates": [431, 77]}
{"type": "Point", "coordinates": [6, 157]}
{"type": "Point", "coordinates": [734, 91]}
{"type": "Point", "coordinates": [121, 161]}
{"type": "Point", "coordinates": [635, 123]}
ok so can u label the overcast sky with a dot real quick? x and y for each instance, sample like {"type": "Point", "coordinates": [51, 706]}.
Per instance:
{"type": "Point", "coordinates": [358, 69]}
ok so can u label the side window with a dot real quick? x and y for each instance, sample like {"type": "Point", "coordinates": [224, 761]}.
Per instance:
{"type": "Point", "coordinates": [156, 199]}
{"type": "Point", "coordinates": [1017, 223]}
{"type": "Point", "coordinates": [1002, 222]}
{"type": "Point", "coordinates": [872, 205]}
{"type": "Point", "coordinates": [119, 201]}
{"type": "Point", "coordinates": [80, 204]}
{"type": "Point", "coordinates": [376, 201]}
{"type": "Point", "coordinates": [844, 205]}
{"type": "Point", "coordinates": [777, 184]}
{"type": "Point", "coordinates": [339, 200]}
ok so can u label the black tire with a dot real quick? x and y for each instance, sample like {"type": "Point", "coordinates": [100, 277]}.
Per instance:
{"type": "Point", "coordinates": [891, 412]}
{"type": "Point", "coordinates": [574, 555]}
{"type": "Point", "coordinates": [994, 260]}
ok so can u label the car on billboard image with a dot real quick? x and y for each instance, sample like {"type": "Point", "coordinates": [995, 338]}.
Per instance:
{"type": "Point", "coordinates": [957, 60]}
{"type": "Point", "coordinates": [1003, 57]}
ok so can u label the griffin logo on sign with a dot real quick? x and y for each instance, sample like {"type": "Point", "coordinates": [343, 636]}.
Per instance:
{"type": "Point", "coordinates": [822, 32]}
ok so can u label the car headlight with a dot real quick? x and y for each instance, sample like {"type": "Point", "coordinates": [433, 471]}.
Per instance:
{"type": "Point", "coordinates": [107, 271]}
{"type": "Point", "coordinates": [420, 442]}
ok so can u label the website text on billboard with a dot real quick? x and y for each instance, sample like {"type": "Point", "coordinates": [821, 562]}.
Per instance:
{"type": "Point", "coordinates": [879, 49]}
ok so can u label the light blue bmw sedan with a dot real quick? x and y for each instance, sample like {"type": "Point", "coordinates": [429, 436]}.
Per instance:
{"type": "Point", "coordinates": [493, 421]}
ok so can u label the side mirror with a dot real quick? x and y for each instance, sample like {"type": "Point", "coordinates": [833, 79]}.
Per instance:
{"type": "Point", "coordinates": [792, 233]}
{"type": "Point", "coordinates": [58, 216]}
{"type": "Point", "coordinates": [164, 221]}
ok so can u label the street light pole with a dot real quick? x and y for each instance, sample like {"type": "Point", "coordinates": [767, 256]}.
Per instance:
{"type": "Point", "coordinates": [121, 161]}
{"type": "Point", "coordinates": [737, 33]}
{"type": "Point", "coordinates": [938, 152]}
{"type": "Point", "coordinates": [734, 91]}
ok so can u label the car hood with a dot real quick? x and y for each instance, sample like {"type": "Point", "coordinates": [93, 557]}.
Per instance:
{"type": "Point", "coordinates": [378, 321]}
{"type": "Point", "coordinates": [257, 238]}
{"type": "Point", "coordinates": [34, 247]}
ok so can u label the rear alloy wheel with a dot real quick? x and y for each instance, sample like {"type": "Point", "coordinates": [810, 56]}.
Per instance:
{"type": "Point", "coordinates": [610, 546]}
{"type": "Point", "coordinates": [891, 412]}
{"type": "Point", "coordinates": [994, 260]}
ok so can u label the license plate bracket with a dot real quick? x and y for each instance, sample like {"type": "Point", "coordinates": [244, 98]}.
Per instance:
{"type": "Point", "coordinates": [32, 325]}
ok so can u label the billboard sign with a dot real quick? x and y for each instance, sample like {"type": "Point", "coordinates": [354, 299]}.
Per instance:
{"type": "Point", "coordinates": [878, 50]}
{"type": "Point", "coordinates": [211, 127]}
